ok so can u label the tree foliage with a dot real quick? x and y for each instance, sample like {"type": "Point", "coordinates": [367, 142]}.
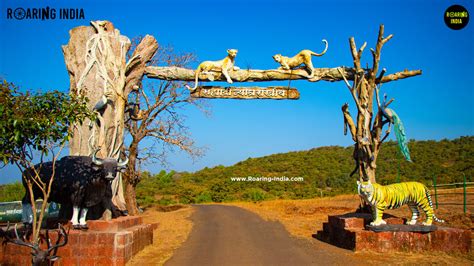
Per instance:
{"type": "Point", "coordinates": [11, 192]}
{"type": "Point", "coordinates": [33, 122]}
{"type": "Point", "coordinates": [325, 171]}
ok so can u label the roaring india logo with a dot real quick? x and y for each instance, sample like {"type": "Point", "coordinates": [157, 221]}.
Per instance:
{"type": "Point", "coordinates": [45, 13]}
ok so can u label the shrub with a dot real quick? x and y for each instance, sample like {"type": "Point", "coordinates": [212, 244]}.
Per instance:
{"type": "Point", "coordinates": [11, 192]}
{"type": "Point", "coordinates": [204, 197]}
{"type": "Point", "coordinates": [254, 194]}
{"type": "Point", "coordinates": [166, 201]}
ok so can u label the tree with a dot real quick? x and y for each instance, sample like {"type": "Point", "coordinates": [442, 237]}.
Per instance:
{"type": "Point", "coordinates": [35, 127]}
{"type": "Point", "coordinates": [367, 132]}
{"type": "Point", "coordinates": [95, 58]}
{"type": "Point", "coordinates": [153, 114]}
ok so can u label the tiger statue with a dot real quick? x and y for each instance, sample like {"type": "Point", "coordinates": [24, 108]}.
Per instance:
{"type": "Point", "coordinates": [393, 196]}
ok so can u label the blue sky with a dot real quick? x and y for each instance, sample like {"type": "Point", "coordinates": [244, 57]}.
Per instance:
{"type": "Point", "coordinates": [435, 105]}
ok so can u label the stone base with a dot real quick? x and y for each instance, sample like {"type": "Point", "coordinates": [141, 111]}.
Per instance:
{"type": "Point", "coordinates": [105, 243]}
{"type": "Point", "coordinates": [348, 231]}
{"type": "Point", "coordinates": [402, 227]}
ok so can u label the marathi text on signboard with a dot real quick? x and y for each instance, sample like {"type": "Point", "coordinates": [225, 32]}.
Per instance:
{"type": "Point", "coordinates": [276, 93]}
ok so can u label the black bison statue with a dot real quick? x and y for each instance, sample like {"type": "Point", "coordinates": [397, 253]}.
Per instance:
{"type": "Point", "coordinates": [79, 181]}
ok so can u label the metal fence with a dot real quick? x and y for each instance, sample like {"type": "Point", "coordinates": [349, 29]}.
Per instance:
{"type": "Point", "coordinates": [447, 189]}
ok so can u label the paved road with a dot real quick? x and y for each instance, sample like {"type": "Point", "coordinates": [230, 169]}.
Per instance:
{"type": "Point", "coordinates": [227, 235]}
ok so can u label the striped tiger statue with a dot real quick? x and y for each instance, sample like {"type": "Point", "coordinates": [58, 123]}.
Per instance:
{"type": "Point", "coordinates": [393, 196]}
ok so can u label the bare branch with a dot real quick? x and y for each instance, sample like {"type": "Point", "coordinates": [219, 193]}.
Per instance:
{"type": "Point", "coordinates": [389, 102]}
{"type": "Point", "coordinates": [135, 67]}
{"type": "Point", "coordinates": [400, 75]}
{"type": "Point", "coordinates": [382, 73]}
{"type": "Point", "coordinates": [352, 90]}
{"type": "Point", "coordinates": [387, 38]}
{"type": "Point", "coordinates": [345, 79]}
{"type": "Point", "coordinates": [376, 54]}
{"type": "Point", "coordinates": [359, 54]}
{"type": "Point", "coordinates": [387, 133]}
{"type": "Point", "coordinates": [348, 121]}
{"type": "Point", "coordinates": [162, 124]}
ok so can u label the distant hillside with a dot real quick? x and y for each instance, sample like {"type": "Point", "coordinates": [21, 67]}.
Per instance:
{"type": "Point", "coordinates": [325, 171]}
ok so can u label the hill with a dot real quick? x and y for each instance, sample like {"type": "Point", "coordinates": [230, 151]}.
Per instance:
{"type": "Point", "coordinates": [325, 171]}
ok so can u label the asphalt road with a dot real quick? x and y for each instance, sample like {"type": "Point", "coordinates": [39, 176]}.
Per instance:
{"type": "Point", "coordinates": [227, 235]}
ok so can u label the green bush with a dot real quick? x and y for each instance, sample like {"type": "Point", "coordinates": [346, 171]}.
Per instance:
{"type": "Point", "coordinates": [11, 192]}
{"type": "Point", "coordinates": [254, 194]}
{"type": "Point", "coordinates": [204, 197]}
{"type": "Point", "coordinates": [187, 197]}
{"type": "Point", "coordinates": [145, 200]}
{"type": "Point", "coordinates": [166, 201]}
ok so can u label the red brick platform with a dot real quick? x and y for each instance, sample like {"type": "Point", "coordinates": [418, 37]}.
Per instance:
{"type": "Point", "coordinates": [105, 243]}
{"type": "Point", "coordinates": [348, 231]}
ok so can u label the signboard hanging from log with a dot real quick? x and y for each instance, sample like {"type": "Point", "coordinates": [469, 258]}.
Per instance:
{"type": "Point", "coordinates": [246, 93]}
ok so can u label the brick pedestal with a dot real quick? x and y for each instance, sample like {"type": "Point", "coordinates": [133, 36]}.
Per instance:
{"type": "Point", "coordinates": [105, 243]}
{"type": "Point", "coordinates": [348, 231]}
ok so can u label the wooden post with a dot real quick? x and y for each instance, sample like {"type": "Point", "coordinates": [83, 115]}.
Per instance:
{"type": "Point", "coordinates": [436, 191]}
{"type": "Point", "coordinates": [464, 193]}
{"type": "Point", "coordinates": [398, 167]}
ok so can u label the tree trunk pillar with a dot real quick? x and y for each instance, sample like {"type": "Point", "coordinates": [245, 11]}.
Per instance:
{"type": "Point", "coordinates": [95, 60]}
{"type": "Point", "coordinates": [96, 63]}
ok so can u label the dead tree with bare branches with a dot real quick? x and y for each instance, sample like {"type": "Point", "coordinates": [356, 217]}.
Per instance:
{"type": "Point", "coordinates": [367, 130]}
{"type": "Point", "coordinates": [153, 113]}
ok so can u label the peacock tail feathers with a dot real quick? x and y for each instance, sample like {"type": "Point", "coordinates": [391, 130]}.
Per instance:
{"type": "Point", "coordinates": [401, 135]}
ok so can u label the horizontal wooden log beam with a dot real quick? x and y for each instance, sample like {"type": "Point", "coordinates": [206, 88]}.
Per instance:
{"type": "Point", "coordinates": [251, 75]}
{"type": "Point", "coordinates": [246, 93]}
{"type": "Point", "coordinates": [400, 75]}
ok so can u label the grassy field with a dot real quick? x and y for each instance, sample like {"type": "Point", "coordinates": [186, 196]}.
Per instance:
{"type": "Point", "coordinates": [312, 213]}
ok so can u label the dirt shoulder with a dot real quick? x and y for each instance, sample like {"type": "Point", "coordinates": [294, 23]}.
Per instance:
{"type": "Point", "coordinates": [173, 229]}
{"type": "Point", "coordinates": [303, 218]}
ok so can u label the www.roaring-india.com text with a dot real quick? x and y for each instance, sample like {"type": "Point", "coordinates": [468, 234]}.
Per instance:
{"type": "Point", "coordinates": [267, 179]}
